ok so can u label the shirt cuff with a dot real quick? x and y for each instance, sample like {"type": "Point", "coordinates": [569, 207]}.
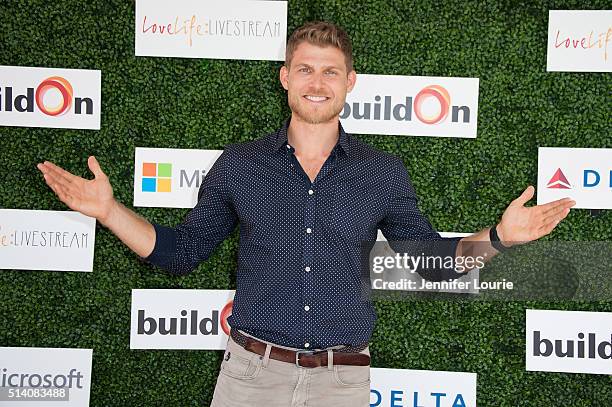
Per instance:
{"type": "Point", "coordinates": [165, 246]}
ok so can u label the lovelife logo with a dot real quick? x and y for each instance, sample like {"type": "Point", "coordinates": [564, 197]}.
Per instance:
{"type": "Point", "coordinates": [54, 96]}
{"type": "Point", "coordinates": [559, 181]}
{"type": "Point", "coordinates": [578, 40]}
{"type": "Point", "coordinates": [156, 177]}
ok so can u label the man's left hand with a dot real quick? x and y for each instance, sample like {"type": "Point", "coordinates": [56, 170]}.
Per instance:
{"type": "Point", "coordinates": [521, 223]}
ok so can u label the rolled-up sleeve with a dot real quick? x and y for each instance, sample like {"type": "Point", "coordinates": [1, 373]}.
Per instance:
{"type": "Point", "coordinates": [404, 222]}
{"type": "Point", "coordinates": [180, 249]}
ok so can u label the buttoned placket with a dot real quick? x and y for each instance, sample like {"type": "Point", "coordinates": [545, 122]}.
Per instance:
{"type": "Point", "coordinates": [308, 267]}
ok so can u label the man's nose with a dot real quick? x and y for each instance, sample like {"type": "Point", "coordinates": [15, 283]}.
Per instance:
{"type": "Point", "coordinates": [316, 80]}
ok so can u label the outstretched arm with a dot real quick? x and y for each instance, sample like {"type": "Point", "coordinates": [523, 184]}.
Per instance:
{"type": "Point", "coordinates": [95, 198]}
{"type": "Point", "coordinates": [519, 224]}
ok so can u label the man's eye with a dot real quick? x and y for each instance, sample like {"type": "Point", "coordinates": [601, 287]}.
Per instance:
{"type": "Point", "coordinates": [304, 70]}
{"type": "Point", "coordinates": [331, 73]}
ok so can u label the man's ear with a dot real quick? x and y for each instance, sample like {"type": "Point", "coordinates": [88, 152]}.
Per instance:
{"type": "Point", "coordinates": [284, 77]}
{"type": "Point", "coordinates": [351, 80]}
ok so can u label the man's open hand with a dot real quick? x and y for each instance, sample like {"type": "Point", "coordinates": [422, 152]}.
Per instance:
{"type": "Point", "coordinates": [90, 197]}
{"type": "Point", "coordinates": [522, 223]}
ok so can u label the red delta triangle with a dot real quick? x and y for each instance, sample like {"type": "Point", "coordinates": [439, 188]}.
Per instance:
{"type": "Point", "coordinates": [559, 181]}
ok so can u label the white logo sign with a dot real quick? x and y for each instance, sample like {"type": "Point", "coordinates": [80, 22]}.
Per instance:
{"type": "Point", "coordinates": [578, 40]}
{"type": "Point", "coordinates": [35, 377]}
{"type": "Point", "coordinates": [422, 388]}
{"type": "Point", "coordinates": [180, 319]}
{"type": "Point", "coordinates": [583, 174]}
{"type": "Point", "coordinates": [46, 97]}
{"type": "Point", "coordinates": [170, 178]}
{"type": "Point", "coordinates": [207, 29]}
{"type": "Point", "coordinates": [46, 240]}
{"type": "Point", "coordinates": [412, 106]}
{"type": "Point", "coordinates": [569, 341]}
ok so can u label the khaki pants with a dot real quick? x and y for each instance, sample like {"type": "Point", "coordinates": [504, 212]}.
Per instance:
{"type": "Point", "coordinates": [248, 379]}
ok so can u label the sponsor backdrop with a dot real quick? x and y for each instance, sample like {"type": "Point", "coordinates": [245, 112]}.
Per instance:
{"type": "Point", "coordinates": [579, 40]}
{"type": "Point", "coordinates": [584, 174]}
{"type": "Point", "coordinates": [412, 105]}
{"type": "Point", "coordinates": [193, 29]}
{"type": "Point", "coordinates": [170, 177]}
{"type": "Point", "coordinates": [46, 240]}
{"type": "Point", "coordinates": [421, 388]}
{"type": "Point", "coordinates": [569, 341]}
{"type": "Point", "coordinates": [34, 377]}
{"type": "Point", "coordinates": [180, 319]}
{"type": "Point", "coordinates": [195, 103]}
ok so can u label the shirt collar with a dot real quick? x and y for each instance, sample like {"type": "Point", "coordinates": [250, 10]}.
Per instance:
{"type": "Point", "coordinates": [281, 137]}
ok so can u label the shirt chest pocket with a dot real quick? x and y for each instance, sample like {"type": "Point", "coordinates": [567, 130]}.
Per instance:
{"type": "Point", "coordinates": [355, 210]}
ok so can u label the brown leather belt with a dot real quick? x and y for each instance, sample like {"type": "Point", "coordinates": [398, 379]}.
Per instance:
{"type": "Point", "coordinates": [303, 358]}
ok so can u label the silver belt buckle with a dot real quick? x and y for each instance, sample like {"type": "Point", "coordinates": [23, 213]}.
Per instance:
{"type": "Point", "coordinates": [297, 356]}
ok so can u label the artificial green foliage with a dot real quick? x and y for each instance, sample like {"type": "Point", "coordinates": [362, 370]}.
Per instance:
{"type": "Point", "coordinates": [464, 185]}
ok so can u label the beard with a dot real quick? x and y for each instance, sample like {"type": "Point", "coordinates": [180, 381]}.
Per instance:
{"type": "Point", "coordinates": [312, 114]}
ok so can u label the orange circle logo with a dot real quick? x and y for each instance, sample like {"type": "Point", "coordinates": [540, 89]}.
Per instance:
{"type": "Point", "coordinates": [225, 313]}
{"type": "Point", "coordinates": [65, 89]}
{"type": "Point", "coordinates": [441, 95]}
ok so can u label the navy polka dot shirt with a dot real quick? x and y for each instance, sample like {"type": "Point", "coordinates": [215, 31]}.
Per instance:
{"type": "Point", "coordinates": [299, 277]}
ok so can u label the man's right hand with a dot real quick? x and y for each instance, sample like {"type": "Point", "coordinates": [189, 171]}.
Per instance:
{"type": "Point", "coordinates": [90, 197]}
{"type": "Point", "coordinates": [95, 198]}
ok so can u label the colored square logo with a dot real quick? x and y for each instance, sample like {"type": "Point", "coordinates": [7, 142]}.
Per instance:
{"type": "Point", "coordinates": [164, 170]}
{"type": "Point", "coordinates": [156, 177]}
{"type": "Point", "coordinates": [148, 185]}
{"type": "Point", "coordinates": [164, 185]}
{"type": "Point", "coordinates": [149, 169]}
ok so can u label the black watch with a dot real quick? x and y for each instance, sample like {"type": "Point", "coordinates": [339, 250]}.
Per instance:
{"type": "Point", "coordinates": [495, 242]}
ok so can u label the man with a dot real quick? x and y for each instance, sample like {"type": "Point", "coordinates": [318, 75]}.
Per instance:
{"type": "Point", "coordinates": [304, 197]}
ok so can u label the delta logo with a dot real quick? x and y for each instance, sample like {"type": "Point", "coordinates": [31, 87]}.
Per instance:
{"type": "Point", "coordinates": [431, 105]}
{"type": "Point", "coordinates": [54, 96]}
{"type": "Point", "coordinates": [590, 179]}
{"type": "Point", "coordinates": [559, 181]}
{"type": "Point", "coordinates": [156, 177]}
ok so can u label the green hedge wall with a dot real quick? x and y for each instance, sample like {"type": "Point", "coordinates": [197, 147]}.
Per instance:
{"type": "Point", "coordinates": [464, 185]}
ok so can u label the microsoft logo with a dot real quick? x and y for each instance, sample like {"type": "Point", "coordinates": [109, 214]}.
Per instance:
{"type": "Point", "coordinates": [156, 177]}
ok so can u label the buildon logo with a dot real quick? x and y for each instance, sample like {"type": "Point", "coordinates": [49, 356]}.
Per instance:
{"type": "Point", "coordinates": [225, 314]}
{"type": "Point", "coordinates": [156, 177]}
{"type": "Point", "coordinates": [54, 96]}
{"type": "Point", "coordinates": [190, 323]}
{"type": "Point", "coordinates": [431, 105]}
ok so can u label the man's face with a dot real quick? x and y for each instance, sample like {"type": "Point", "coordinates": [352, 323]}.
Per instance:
{"type": "Point", "coordinates": [317, 82]}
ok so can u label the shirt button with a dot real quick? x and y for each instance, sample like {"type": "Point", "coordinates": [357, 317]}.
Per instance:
{"type": "Point", "coordinates": [310, 192]}
{"type": "Point", "coordinates": [307, 308]}
{"type": "Point", "coordinates": [308, 230]}
{"type": "Point", "coordinates": [306, 345]}
{"type": "Point", "coordinates": [307, 268]}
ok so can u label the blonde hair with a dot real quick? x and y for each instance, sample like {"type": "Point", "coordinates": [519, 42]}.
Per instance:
{"type": "Point", "coordinates": [323, 34]}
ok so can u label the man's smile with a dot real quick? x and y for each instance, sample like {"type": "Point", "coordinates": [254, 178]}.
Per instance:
{"type": "Point", "coordinates": [316, 99]}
